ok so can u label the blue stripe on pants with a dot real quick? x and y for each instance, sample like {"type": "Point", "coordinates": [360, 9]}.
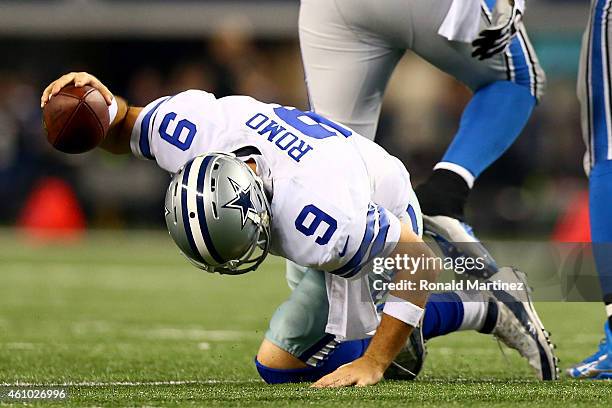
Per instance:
{"type": "Point", "coordinates": [599, 81]}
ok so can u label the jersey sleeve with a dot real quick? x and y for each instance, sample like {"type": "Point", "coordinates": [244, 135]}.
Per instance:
{"type": "Point", "coordinates": [375, 232]}
{"type": "Point", "coordinates": [313, 231]}
{"type": "Point", "coordinates": [140, 141]}
{"type": "Point", "coordinates": [174, 129]}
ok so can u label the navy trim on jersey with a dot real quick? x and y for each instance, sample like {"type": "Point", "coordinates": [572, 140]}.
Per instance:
{"type": "Point", "coordinates": [202, 215]}
{"type": "Point", "coordinates": [383, 230]}
{"type": "Point", "coordinates": [143, 141]}
{"type": "Point", "coordinates": [352, 266]}
{"type": "Point", "coordinates": [185, 211]}
{"type": "Point", "coordinates": [413, 219]}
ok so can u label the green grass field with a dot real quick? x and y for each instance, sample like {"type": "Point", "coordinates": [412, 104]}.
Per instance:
{"type": "Point", "coordinates": [123, 320]}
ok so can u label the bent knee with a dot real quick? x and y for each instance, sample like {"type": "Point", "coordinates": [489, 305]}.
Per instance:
{"type": "Point", "coordinates": [277, 366]}
{"type": "Point", "coordinates": [272, 356]}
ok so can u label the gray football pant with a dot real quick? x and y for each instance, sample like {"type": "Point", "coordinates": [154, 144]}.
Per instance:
{"type": "Point", "coordinates": [351, 47]}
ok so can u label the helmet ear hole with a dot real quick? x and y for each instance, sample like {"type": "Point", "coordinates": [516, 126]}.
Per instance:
{"type": "Point", "coordinates": [214, 210]}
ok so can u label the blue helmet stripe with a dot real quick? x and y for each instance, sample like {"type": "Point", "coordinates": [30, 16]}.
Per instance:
{"type": "Point", "coordinates": [143, 142]}
{"type": "Point", "coordinates": [202, 215]}
{"type": "Point", "coordinates": [185, 212]}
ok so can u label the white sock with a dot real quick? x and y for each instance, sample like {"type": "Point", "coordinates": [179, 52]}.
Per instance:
{"type": "Point", "coordinates": [475, 308]}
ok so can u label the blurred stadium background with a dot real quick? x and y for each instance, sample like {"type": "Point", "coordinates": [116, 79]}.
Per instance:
{"type": "Point", "coordinates": [145, 49]}
{"type": "Point", "coordinates": [108, 314]}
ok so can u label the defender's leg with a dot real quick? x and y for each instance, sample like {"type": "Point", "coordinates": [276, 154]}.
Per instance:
{"type": "Point", "coordinates": [346, 68]}
{"type": "Point", "coordinates": [595, 100]}
{"type": "Point", "coordinates": [506, 88]}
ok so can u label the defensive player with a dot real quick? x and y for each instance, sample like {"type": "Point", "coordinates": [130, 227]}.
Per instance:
{"type": "Point", "coordinates": [595, 99]}
{"type": "Point", "coordinates": [312, 191]}
{"type": "Point", "coordinates": [351, 47]}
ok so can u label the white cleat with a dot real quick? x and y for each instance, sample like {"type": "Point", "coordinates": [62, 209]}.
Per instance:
{"type": "Point", "coordinates": [409, 362]}
{"type": "Point", "coordinates": [456, 239]}
{"type": "Point", "coordinates": [518, 326]}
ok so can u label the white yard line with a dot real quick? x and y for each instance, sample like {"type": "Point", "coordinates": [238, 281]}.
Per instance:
{"type": "Point", "coordinates": [106, 262]}
{"type": "Point", "coordinates": [127, 383]}
{"type": "Point", "coordinates": [197, 334]}
{"type": "Point", "coordinates": [163, 333]}
{"type": "Point", "coordinates": [64, 266]}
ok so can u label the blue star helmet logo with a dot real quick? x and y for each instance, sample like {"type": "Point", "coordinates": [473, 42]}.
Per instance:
{"type": "Point", "coordinates": [242, 201]}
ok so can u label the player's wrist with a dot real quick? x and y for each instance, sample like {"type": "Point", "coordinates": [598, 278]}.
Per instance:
{"type": "Point", "coordinates": [376, 363]}
{"type": "Point", "coordinates": [121, 110]}
{"type": "Point", "coordinates": [112, 111]}
{"type": "Point", "coordinates": [117, 138]}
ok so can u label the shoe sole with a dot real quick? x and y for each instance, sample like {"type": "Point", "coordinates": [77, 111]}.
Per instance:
{"type": "Point", "coordinates": [547, 355]}
{"type": "Point", "coordinates": [397, 371]}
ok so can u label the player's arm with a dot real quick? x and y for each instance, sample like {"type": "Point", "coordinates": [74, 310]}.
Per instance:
{"type": "Point", "coordinates": [117, 139]}
{"type": "Point", "coordinates": [392, 332]}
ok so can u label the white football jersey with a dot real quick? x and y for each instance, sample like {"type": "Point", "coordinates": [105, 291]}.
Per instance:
{"type": "Point", "coordinates": [336, 197]}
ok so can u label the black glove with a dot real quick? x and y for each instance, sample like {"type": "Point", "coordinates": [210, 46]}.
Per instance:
{"type": "Point", "coordinates": [504, 25]}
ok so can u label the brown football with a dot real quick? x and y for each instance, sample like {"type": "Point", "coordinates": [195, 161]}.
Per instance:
{"type": "Point", "coordinates": [76, 119]}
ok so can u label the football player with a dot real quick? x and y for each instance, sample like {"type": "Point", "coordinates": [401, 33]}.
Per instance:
{"type": "Point", "coordinates": [351, 47]}
{"type": "Point", "coordinates": [252, 178]}
{"type": "Point", "coordinates": [594, 94]}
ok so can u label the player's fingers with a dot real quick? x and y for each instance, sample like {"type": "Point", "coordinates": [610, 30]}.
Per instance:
{"type": "Point", "coordinates": [336, 380]}
{"type": "Point", "coordinates": [82, 79]}
{"type": "Point", "coordinates": [61, 82]}
{"type": "Point", "coordinates": [493, 51]}
{"type": "Point", "coordinates": [362, 383]}
{"type": "Point", "coordinates": [324, 381]}
{"type": "Point", "coordinates": [477, 53]}
{"type": "Point", "coordinates": [366, 382]}
{"type": "Point", "coordinates": [57, 85]}
{"type": "Point", "coordinates": [46, 95]}
{"type": "Point", "coordinates": [346, 381]}
{"type": "Point", "coordinates": [331, 380]}
{"type": "Point", "coordinates": [108, 95]}
{"type": "Point", "coordinates": [95, 82]}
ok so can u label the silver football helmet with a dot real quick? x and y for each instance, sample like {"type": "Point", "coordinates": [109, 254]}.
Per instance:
{"type": "Point", "coordinates": [217, 213]}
